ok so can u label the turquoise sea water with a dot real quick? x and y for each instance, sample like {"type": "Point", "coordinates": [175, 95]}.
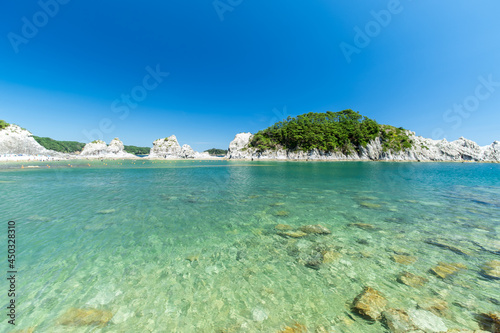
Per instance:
{"type": "Point", "coordinates": [191, 246]}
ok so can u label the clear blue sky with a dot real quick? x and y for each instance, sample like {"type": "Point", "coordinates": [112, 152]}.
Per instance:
{"type": "Point", "coordinates": [246, 64]}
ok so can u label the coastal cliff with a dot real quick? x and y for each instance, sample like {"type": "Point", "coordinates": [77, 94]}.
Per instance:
{"type": "Point", "coordinates": [169, 148]}
{"type": "Point", "coordinates": [99, 149]}
{"type": "Point", "coordinates": [18, 141]}
{"type": "Point", "coordinates": [422, 149]}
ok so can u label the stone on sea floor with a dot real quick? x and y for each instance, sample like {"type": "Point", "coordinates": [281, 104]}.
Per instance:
{"type": "Point", "coordinates": [282, 213]}
{"type": "Point", "coordinates": [445, 245]}
{"type": "Point", "coordinates": [259, 315]}
{"type": "Point", "coordinates": [277, 204]}
{"type": "Point", "coordinates": [295, 328]}
{"type": "Point", "coordinates": [282, 227]}
{"type": "Point", "coordinates": [403, 259]}
{"type": "Point", "coordinates": [444, 270]}
{"type": "Point", "coordinates": [192, 258]}
{"type": "Point", "coordinates": [489, 321]}
{"type": "Point", "coordinates": [330, 256]}
{"type": "Point", "coordinates": [426, 321]}
{"type": "Point", "coordinates": [370, 303]}
{"type": "Point", "coordinates": [411, 279]}
{"type": "Point", "coordinates": [434, 305]}
{"type": "Point", "coordinates": [315, 229]}
{"type": "Point", "coordinates": [365, 226]}
{"type": "Point", "coordinates": [293, 234]}
{"type": "Point", "coordinates": [315, 261]}
{"type": "Point", "coordinates": [370, 205]}
{"type": "Point", "coordinates": [492, 269]}
{"type": "Point", "coordinates": [107, 211]}
{"type": "Point", "coordinates": [397, 321]}
{"type": "Point", "coordinates": [85, 317]}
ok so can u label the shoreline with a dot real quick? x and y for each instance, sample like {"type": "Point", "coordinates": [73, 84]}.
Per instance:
{"type": "Point", "coordinates": [44, 159]}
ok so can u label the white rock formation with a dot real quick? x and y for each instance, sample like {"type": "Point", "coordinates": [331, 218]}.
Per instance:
{"type": "Point", "coordinates": [422, 150]}
{"type": "Point", "coordinates": [99, 149]}
{"type": "Point", "coordinates": [169, 148]}
{"type": "Point", "coordinates": [15, 140]}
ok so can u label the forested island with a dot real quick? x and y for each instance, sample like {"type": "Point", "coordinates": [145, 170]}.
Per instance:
{"type": "Point", "coordinates": [343, 131]}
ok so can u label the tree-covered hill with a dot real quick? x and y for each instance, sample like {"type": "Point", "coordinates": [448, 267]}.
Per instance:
{"type": "Point", "coordinates": [60, 146]}
{"type": "Point", "coordinates": [75, 147]}
{"type": "Point", "coordinates": [3, 124]}
{"type": "Point", "coordinates": [216, 151]}
{"type": "Point", "coordinates": [342, 131]}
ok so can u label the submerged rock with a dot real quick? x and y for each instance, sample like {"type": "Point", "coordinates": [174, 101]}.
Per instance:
{"type": "Point", "coordinates": [315, 261]}
{"type": "Point", "coordinates": [85, 317]}
{"type": "Point", "coordinates": [315, 229]}
{"type": "Point", "coordinates": [370, 303]}
{"type": "Point", "coordinates": [295, 328]}
{"type": "Point", "coordinates": [365, 226]}
{"type": "Point", "coordinates": [403, 259]}
{"type": "Point", "coordinates": [489, 321]}
{"type": "Point", "coordinates": [397, 321]}
{"type": "Point", "coordinates": [434, 305]}
{"type": "Point", "coordinates": [282, 227]}
{"type": "Point", "coordinates": [330, 256]}
{"type": "Point", "coordinates": [411, 279]}
{"type": "Point", "coordinates": [445, 245]}
{"type": "Point", "coordinates": [426, 321]}
{"type": "Point", "coordinates": [282, 213]}
{"type": "Point", "coordinates": [444, 270]}
{"type": "Point", "coordinates": [293, 234]}
{"type": "Point", "coordinates": [492, 269]}
{"type": "Point", "coordinates": [370, 205]}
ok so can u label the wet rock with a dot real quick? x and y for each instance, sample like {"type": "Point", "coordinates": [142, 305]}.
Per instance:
{"type": "Point", "coordinates": [293, 234]}
{"type": "Point", "coordinates": [434, 305]}
{"type": "Point", "coordinates": [491, 269]}
{"type": "Point", "coordinates": [426, 321]}
{"type": "Point", "coordinates": [397, 321]}
{"type": "Point", "coordinates": [411, 279]}
{"type": "Point", "coordinates": [444, 270]}
{"type": "Point", "coordinates": [403, 259]}
{"type": "Point", "coordinates": [489, 321]}
{"type": "Point", "coordinates": [370, 303]}
{"type": "Point", "coordinates": [315, 229]}
{"type": "Point", "coordinates": [85, 317]}
{"type": "Point", "coordinates": [295, 328]}
{"type": "Point", "coordinates": [282, 227]}
{"type": "Point", "coordinates": [365, 226]}
{"type": "Point", "coordinates": [445, 245]}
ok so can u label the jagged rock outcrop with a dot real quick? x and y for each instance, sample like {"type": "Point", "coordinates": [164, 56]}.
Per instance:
{"type": "Point", "coordinates": [170, 148]}
{"type": "Point", "coordinates": [422, 150]}
{"type": "Point", "coordinates": [15, 140]}
{"type": "Point", "coordinates": [99, 149]}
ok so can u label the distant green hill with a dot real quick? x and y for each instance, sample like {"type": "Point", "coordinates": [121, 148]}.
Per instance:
{"type": "Point", "coordinates": [137, 150]}
{"type": "Point", "coordinates": [74, 146]}
{"type": "Point", "coordinates": [342, 131]}
{"type": "Point", "coordinates": [216, 151]}
{"type": "Point", "coordinates": [60, 146]}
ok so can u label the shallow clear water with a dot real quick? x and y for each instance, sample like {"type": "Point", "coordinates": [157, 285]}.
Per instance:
{"type": "Point", "coordinates": [118, 236]}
